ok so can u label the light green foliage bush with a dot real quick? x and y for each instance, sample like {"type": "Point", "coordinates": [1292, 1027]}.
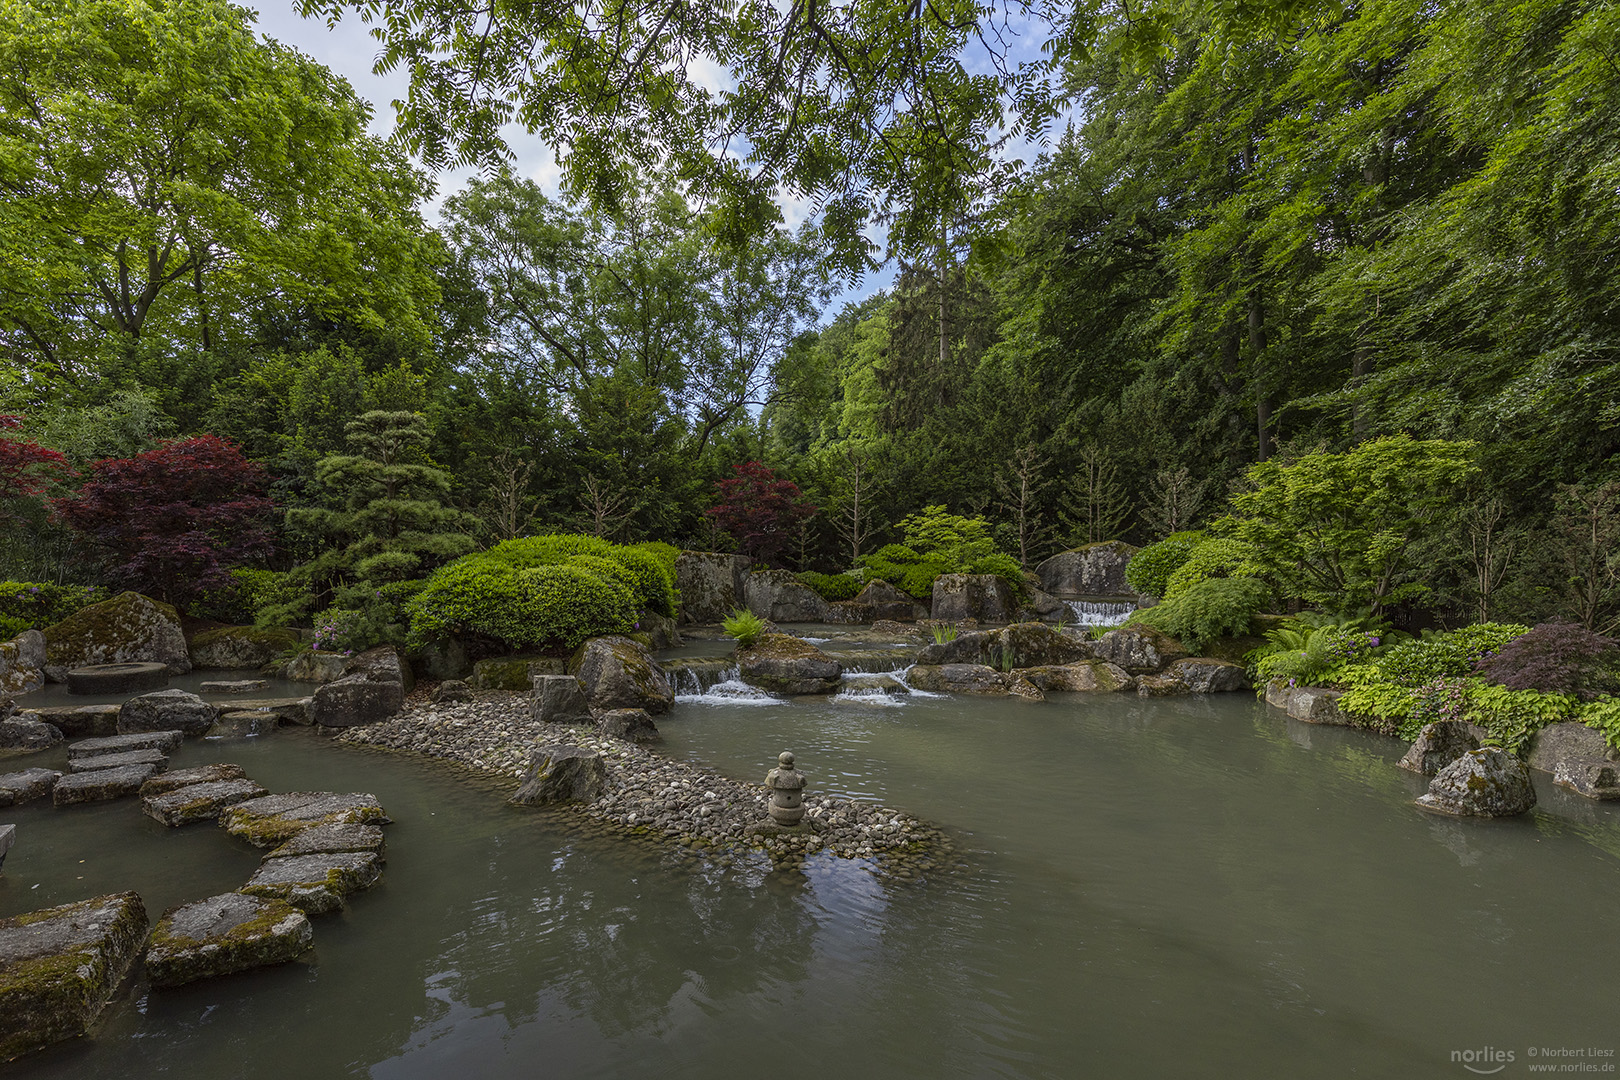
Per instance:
{"type": "Point", "coordinates": [960, 540]}
{"type": "Point", "coordinates": [1604, 715]}
{"type": "Point", "coordinates": [666, 554]}
{"type": "Point", "coordinates": [939, 543]}
{"type": "Point", "coordinates": [832, 587]}
{"type": "Point", "coordinates": [551, 606]}
{"type": "Point", "coordinates": [905, 569]}
{"type": "Point", "coordinates": [1219, 607]}
{"type": "Point", "coordinates": [654, 574]}
{"type": "Point", "coordinates": [1211, 559]}
{"type": "Point", "coordinates": [1149, 570]}
{"type": "Point", "coordinates": [1310, 655]}
{"type": "Point", "coordinates": [745, 626]}
{"type": "Point", "coordinates": [1511, 717]}
{"type": "Point", "coordinates": [34, 605]}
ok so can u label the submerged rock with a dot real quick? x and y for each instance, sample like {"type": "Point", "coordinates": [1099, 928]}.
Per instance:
{"type": "Point", "coordinates": [559, 774]}
{"type": "Point", "coordinates": [99, 785]}
{"type": "Point", "coordinates": [1438, 745]}
{"type": "Point", "coordinates": [27, 785]}
{"type": "Point", "coordinates": [783, 664]}
{"type": "Point", "coordinates": [1489, 782]}
{"type": "Point", "coordinates": [129, 627]}
{"type": "Point", "coordinates": [59, 967]}
{"type": "Point", "coordinates": [199, 802]}
{"type": "Point", "coordinates": [166, 710]}
{"type": "Point", "coordinates": [315, 884]}
{"type": "Point", "coordinates": [616, 672]}
{"type": "Point", "coordinates": [270, 820]}
{"type": "Point", "coordinates": [224, 934]}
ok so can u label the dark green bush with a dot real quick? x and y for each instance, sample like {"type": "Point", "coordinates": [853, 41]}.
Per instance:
{"type": "Point", "coordinates": [1216, 608]}
{"type": "Point", "coordinates": [833, 587]}
{"type": "Point", "coordinates": [1004, 567]}
{"type": "Point", "coordinates": [34, 605]}
{"type": "Point", "coordinates": [1149, 570]}
{"type": "Point", "coordinates": [1450, 654]}
{"type": "Point", "coordinates": [905, 569]}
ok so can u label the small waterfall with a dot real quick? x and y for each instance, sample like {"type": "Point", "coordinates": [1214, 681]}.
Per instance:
{"type": "Point", "coordinates": [1100, 612]}
{"type": "Point", "coordinates": [874, 661]}
{"type": "Point", "coordinates": [691, 678]}
{"type": "Point", "coordinates": [730, 692]}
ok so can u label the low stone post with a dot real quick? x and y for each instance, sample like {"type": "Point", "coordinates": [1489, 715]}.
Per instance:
{"type": "Point", "coordinates": [786, 785]}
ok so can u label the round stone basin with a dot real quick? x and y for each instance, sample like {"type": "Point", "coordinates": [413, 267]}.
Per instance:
{"type": "Point", "coordinates": [117, 678]}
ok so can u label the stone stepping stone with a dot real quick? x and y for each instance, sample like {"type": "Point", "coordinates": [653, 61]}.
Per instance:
{"type": "Point", "coordinates": [26, 786]}
{"type": "Point", "coordinates": [234, 686]}
{"type": "Point", "coordinates": [200, 802]}
{"type": "Point", "coordinates": [166, 741]}
{"type": "Point", "coordinates": [28, 736]}
{"type": "Point", "coordinates": [287, 710]}
{"type": "Point", "coordinates": [241, 724]}
{"type": "Point", "coordinates": [155, 758]}
{"type": "Point", "coordinates": [224, 934]}
{"type": "Point", "coordinates": [59, 966]}
{"type": "Point", "coordinates": [77, 720]}
{"type": "Point", "coordinates": [197, 774]}
{"type": "Point", "coordinates": [99, 785]}
{"type": "Point", "coordinates": [327, 839]}
{"type": "Point", "coordinates": [315, 884]}
{"type": "Point", "coordinates": [271, 820]}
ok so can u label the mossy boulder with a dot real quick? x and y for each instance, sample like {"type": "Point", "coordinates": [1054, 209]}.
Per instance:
{"type": "Point", "coordinates": [22, 663]}
{"type": "Point", "coordinates": [275, 819]}
{"type": "Point", "coordinates": [885, 601]}
{"type": "Point", "coordinates": [779, 595]}
{"type": "Point", "coordinates": [1081, 677]}
{"type": "Point", "coordinates": [616, 672]}
{"type": "Point", "coordinates": [315, 884]}
{"type": "Point", "coordinates": [1092, 570]}
{"type": "Point", "coordinates": [166, 710]}
{"type": "Point", "coordinates": [711, 585]}
{"type": "Point", "coordinates": [1489, 782]}
{"type": "Point", "coordinates": [1140, 650]}
{"type": "Point", "coordinates": [199, 802]}
{"type": "Point", "coordinates": [783, 664]}
{"type": "Point", "coordinates": [1207, 675]}
{"type": "Point", "coordinates": [127, 628]}
{"type": "Point", "coordinates": [240, 646]}
{"type": "Point", "coordinates": [59, 967]}
{"type": "Point", "coordinates": [984, 597]}
{"type": "Point", "coordinates": [958, 678]}
{"type": "Point", "coordinates": [222, 935]}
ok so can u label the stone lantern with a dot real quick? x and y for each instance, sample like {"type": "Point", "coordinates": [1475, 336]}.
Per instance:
{"type": "Point", "coordinates": [786, 785]}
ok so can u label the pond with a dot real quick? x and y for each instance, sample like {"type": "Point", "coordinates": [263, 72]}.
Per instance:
{"type": "Point", "coordinates": [1149, 887]}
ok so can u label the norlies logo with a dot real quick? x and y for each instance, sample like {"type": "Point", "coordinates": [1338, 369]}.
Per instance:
{"type": "Point", "coordinates": [1484, 1061]}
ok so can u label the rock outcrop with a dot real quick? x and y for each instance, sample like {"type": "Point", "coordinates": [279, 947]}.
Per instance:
{"type": "Point", "coordinates": [222, 935]}
{"type": "Point", "coordinates": [984, 597]}
{"type": "Point", "coordinates": [1489, 782]}
{"type": "Point", "coordinates": [1438, 745]}
{"type": "Point", "coordinates": [1092, 570]}
{"type": "Point", "coordinates": [711, 585]}
{"type": "Point", "coordinates": [779, 596]}
{"type": "Point", "coordinates": [166, 710]}
{"type": "Point", "coordinates": [240, 646]}
{"type": "Point", "coordinates": [783, 664]}
{"type": "Point", "coordinates": [1579, 759]}
{"type": "Point", "coordinates": [129, 627]}
{"type": "Point", "coordinates": [885, 601]}
{"type": "Point", "coordinates": [619, 673]}
{"type": "Point", "coordinates": [22, 663]}
{"type": "Point", "coordinates": [559, 774]}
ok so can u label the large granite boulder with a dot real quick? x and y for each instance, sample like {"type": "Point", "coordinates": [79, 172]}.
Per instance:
{"type": "Point", "coordinates": [711, 585]}
{"type": "Point", "coordinates": [984, 597]}
{"type": "Point", "coordinates": [1092, 570]}
{"type": "Point", "coordinates": [662, 631]}
{"type": "Point", "coordinates": [779, 596]}
{"type": "Point", "coordinates": [166, 710]}
{"type": "Point", "coordinates": [1083, 676]}
{"type": "Point", "coordinates": [27, 785]}
{"type": "Point", "coordinates": [1489, 782]}
{"type": "Point", "coordinates": [560, 774]}
{"type": "Point", "coordinates": [315, 884]}
{"type": "Point", "coordinates": [617, 672]}
{"type": "Point", "coordinates": [1313, 705]}
{"type": "Point", "coordinates": [1438, 745]}
{"type": "Point", "coordinates": [783, 664]}
{"type": "Point", "coordinates": [957, 678]}
{"type": "Point", "coordinates": [240, 646]}
{"type": "Point", "coordinates": [383, 663]}
{"type": "Point", "coordinates": [126, 628]}
{"type": "Point", "coordinates": [1140, 650]}
{"type": "Point", "coordinates": [1020, 645]}
{"type": "Point", "coordinates": [355, 700]}
{"type": "Point", "coordinates": [885, 601]}
{"type": "Point", "coordinates": [558, 699]}
{"type": "Point", "coordinates": [59, 967]}
{"type": "Point", "coordinates": [274, 819]}
{"type": "Point", "coordinates": [315, 667]}
{"type": "Point", "coordinates": [1203, 675]}
{"type": "Point", "coordinates": [28, 736]}
{"type": "Point", "coordinates": [22, 663]}
{"type": "Point", "coordinates": [224, 934]}
{"type": "Point", "coordinates": [1579, 758]}
{"type": "Point", "coordinates": [633, 725]}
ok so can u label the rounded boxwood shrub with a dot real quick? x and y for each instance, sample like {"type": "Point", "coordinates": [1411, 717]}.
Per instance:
{"type": "Point", "coordinates": [655, 582]}
{"type": "Point", "coordinates": [1149, 570]}
{"type": "Point", "coordinates": [548, 605]}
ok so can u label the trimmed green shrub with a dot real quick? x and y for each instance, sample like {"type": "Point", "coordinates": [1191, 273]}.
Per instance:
{"type": "Point", "coordinates": [1208, 560]}
{"type": "Point", "coordinates": [1149, 570]}
{"type": "Point", "coordinates": [549, 605]}
{"type": "Point", "coordinates": [1217, 608]}
{"type": "Point", "coordinates": [905, 569]}
{"type": "Point", "coordinates": [34, 605]}
{"type": "Point", "coordinates": [833, 587]}
{"type": "Point", "coordinates": [654, 574]}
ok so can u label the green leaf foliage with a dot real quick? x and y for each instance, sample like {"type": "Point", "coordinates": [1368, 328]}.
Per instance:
{"type": "Point", "coordinates": [34, 605]}
{"type": "Point", "coordinates": [1211, 609]}
{"type": "Point", "coordinates": [1150, 568]}
{"type": "Point", "coordinates": [745, 626]}
{"type": "Point", "coordinates": [833, 587]}
{"type": "Point", "coordinates": [648, 574]}
{"type": "Point", "coordinates": [1213, 558]}
{"type": "Point", "coordinates": [550, 606]}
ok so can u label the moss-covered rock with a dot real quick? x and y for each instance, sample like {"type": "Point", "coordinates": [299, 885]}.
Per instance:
{"type": "Point", "coordinates": [59, 967]}
{"type": "Point", "coordinates": [240, 646]}
{"type": "Point", "coordinates": [199, 802]}
{"type": "Point", "coordinates": [617, 673]}
{"type": "Point", "coordinates": [1140, 650]}
{"type": "Point", "coordinates": [783, 664]}
{"type": "Point", "coordinates": [224, 934]}
{"type": "Point", "coordinates": [275, 819]}
{"type": "Point", "coordinates": [127, 627]}
{"type": "Point", "coordinates": [315, 884]}
{"type": "Point", "coordinates": [1092, 570]}
{"type": "Point", "coordinates": [1081, 677]}
{"type": "Point", "coordinates": [22, 663]}
{"type": "Point", "coordinates": [711, 585]}
{"type": "Point", "coordinates": [958, 678]}
{"type": "Point", "coordinates": [984, 597]}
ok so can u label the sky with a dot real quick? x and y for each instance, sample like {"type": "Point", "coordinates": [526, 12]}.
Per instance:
{"type": "Point", "coordinates": [349, 50]}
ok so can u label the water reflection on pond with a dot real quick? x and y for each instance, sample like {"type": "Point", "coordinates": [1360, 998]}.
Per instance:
{"type": "Point", "coordinates": [1181, 887]}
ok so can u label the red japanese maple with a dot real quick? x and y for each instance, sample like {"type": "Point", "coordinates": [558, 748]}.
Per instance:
{"type": "Point", "coordinates": [174, 520]}
{"type": "Point", "coordinates": [761, 512]}
{"type": "Point", "coordinates": [26, 468]}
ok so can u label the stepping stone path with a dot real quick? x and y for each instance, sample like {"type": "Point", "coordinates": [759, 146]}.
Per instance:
{"type": "Point", "coordinates": [99, 785]}
{"type": "Point", "coordinates": [224, 934]}
{"type": "Point", "coordinates": [113, 767]}
{"type": "Point", "coordinates": [271, 820]}
{"type": "Point", "coordinates": [315, 884]}
{"type": "Point", "coordinates": [26, 786]}
{"type": "Point", "coordinates": [197, 774]}
{"type": "Point", "coordinates": [59, 966]}
{"type": "Point", "coordinates": [199, 802]}
{"type": "Point", "coordinates": [234, 686]}
{"type": "Point", "coordinates": [113, 761]}
{"type": "Point", "coordinates": [166, 741]}
{"type": "Point", "coordinates": [326, 839]}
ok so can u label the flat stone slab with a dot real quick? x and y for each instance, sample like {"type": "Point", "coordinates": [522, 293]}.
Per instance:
{"type": "Point", "coordinates": [200, 802]}
{"type": "Point", "coordinates": [99, 785]}
{"type": "Point", "coordinates": [59, 966]}
{"type": "Point", "coordinates": [327, 839]}
{"type": "Point", "coordinates": [166, 741]}
{"type": "Point", "coordinates": [77, 720]}
{"type": "Point", "coordinates": [242, 724]}
{"type": "Point", "coordinates": [128, 678]}
{"type": "Point", "coordinates": [156, 758]}
{"type": "Point", "coordinates": [234, 686]}
{"type": "Point", "coordinates": [315, 884]}
{"type": "Point", "coordinates": [224, 934]}
{"type": "Point", "coordinates": [197, 774]}
{"type": "Point", "coordinates": [274, 819]}
{"type": "Point", "coordinates": [288, 710]}
{"type": "Point", "coordinates": [26, 786]}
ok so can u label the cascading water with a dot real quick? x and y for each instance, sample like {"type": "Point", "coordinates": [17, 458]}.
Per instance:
{"type": "Point", "coordinates": [1100, 612]}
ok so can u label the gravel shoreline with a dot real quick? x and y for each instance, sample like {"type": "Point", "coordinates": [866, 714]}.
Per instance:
{"type": "Point", "coordinates": [650, 795]}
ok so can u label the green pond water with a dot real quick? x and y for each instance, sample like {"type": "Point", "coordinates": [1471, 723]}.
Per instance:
{"type": "Point", "coordinates": [1149, 888]}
